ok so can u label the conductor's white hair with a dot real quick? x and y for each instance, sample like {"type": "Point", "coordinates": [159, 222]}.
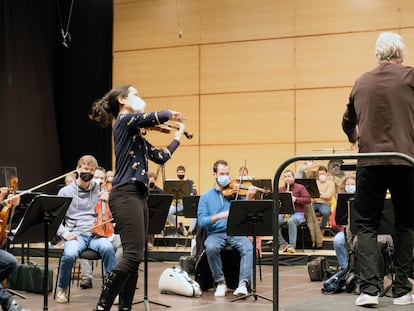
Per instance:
{"type": "Point", "coordinates": [389, 46]}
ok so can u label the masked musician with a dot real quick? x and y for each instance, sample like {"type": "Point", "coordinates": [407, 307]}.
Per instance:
{"type": "Point", "coordinates": [128, 197]}
{"type": "Point", "coordinates": [8, 263]}
{"type": "Point", "coordinates": [78, 222]}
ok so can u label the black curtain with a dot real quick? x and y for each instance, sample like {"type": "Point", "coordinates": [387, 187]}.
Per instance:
{"type": "Point", "coordinates": [47, 89]}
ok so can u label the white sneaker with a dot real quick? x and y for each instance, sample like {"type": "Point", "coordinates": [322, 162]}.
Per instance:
{"type": "Point", "coordinates": [366, 300]}
{"type": "Point", "coordinates": [61, 295]}
{"type": "Point", "coordinates": [241, 291]}
{"type": "Point", "coordinates": [404, 300]}
{"type": "Point", "coordinates": [220, 290]}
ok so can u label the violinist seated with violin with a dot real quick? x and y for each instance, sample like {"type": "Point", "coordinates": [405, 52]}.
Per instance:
{"type": "Point", "coordinates": [79, 222]}
{"type": "Point", "coordinates": [213, 211]}
{"type": "Point", "coordinates": [8, 263]}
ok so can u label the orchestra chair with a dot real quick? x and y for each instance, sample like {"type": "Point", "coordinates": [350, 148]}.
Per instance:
{"type": "Point", "coordinates": [88, 254]}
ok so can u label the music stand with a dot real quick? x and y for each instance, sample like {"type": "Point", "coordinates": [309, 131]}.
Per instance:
{"type": "Point", "coordinates": [179, 188]}
{"type": "Point", "coordinates": [264, 184]}
{"type": "Point", "coordinates": [342, 207]}
{"type": "Point", "coordinates": [286, 203]}
{"type": "Point", "coordinates": [310, 185]}
{"type": "Point", "coordinates": [250, 218]}
{"type": "Point", "coordinates": [39, 224]}
{"type": "Point", "coordinates": [158, 206]}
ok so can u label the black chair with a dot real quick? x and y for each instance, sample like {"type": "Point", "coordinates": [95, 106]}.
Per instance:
{"type": "Point", "coordinates": [88, 254]}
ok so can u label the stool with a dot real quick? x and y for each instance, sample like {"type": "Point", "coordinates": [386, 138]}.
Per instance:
{"type": "Point", "coordinates": [88, 254]}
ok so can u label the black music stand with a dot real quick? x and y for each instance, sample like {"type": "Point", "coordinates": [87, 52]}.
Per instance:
{"type": "Point", "coordinates": [286, 203]}
{"type": "Point", "coordinates": [250, 218]}
{"type": "Point", "coordinates": [158, 206]}
{"type": "Point", "coordinates": [310, 185]}
{"type": "Point", "coordinates": [179, 188]}
{"type": "Point", "coordinates": [264, 184]}
{"type": "Point", "coordinates": [342, 207]}
{"type": "Point", "coordinates": [39, 224]}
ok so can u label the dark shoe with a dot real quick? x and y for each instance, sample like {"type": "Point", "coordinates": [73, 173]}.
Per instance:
{"type": "Point", "coordinates": [86, 283]}
{"type": "Point", "coordinates": [113, 283]}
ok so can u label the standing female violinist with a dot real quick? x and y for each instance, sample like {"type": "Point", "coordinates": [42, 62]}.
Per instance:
{"type": "Point", "coordinates": [128, 197]}
{"type": "Point", "coordinates": [8, 263]}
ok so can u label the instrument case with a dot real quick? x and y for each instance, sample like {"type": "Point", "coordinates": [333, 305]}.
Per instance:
{"type": "Point", "coordinates": [29, 277]}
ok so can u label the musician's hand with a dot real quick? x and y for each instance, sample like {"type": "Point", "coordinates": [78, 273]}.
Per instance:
{"type": "Point", "coordinates": [4, 191]}
{"type": "Point", "coordinates": [180, 131]}
{"type": "Point", "coordinates": [176, 116]}
{"type": "Point", "coordinates": [103, 195]}
{"type": "Point", "coordinates": [15, 201]}
{"type": "Point", "coordinates": [354, 146]}
{"type": "Point", "coordinates": [222, 215]}
{"type": "Point", "coordinates": [69, 236]}
{"type": "Point", "coordinates": [251, 192]}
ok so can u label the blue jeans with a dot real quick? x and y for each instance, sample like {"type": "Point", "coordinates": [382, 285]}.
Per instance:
{"type": "Point", "coordinates": [74, 247]}
{"type": "Point", "coordinates": [294, 221]}
{"type": "Point", "coordinates": [215, 242]}
{"type": "Point", "coordinates": [340, 250]}
{"type": "Point", "coordinates": [8, 263]}
{"type": "Point", "coordinates": [324, 210]}
{"type": "Point", "coordinates": [171, 216]}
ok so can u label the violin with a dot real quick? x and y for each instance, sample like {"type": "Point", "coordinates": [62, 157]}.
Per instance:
{"type": "Point", "coordinates": [102, 225]}
{"type": "Point", "coordinates": [6, 212]}
{"type": "Point", "coordinates": [166, 128]}
{"type": "Point", "coordinates": [235, 187]}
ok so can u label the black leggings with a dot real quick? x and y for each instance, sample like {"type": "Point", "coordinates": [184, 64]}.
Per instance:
{"type": "Point", "coordinates": [129, 208]}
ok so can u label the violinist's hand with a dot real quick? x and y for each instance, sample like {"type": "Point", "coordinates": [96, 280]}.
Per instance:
{"type": "Point", "coordinates": [15, 200]}
{"type": "Point", "coordinates": [4, 191]}
{"type": "Point", "coordinates": [222, 215]}
{"type": "Point", "coordinates": [180, 131]}
{"type": "Point", "coordinates": [176, 116]}
{"type": "Point", "coordinates": [251, 192]}
{"type": "Point", "coordinates": [69, 236]}
{"type": "Point", "coordinates": [103, 195]}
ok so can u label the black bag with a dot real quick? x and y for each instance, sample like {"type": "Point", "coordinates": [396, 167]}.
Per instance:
{"type": "Point", "coordinates": [29, 277]}
{"type": "Point", "coordinates": [317, 269]}
{"type": "Point", "coordinates": [335, 283]}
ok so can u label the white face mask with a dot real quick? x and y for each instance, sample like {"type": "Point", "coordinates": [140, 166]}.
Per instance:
{"type": "Point", "coordinates": [322, 177]}
{"type": "Point", "coordinates": [138, 105]}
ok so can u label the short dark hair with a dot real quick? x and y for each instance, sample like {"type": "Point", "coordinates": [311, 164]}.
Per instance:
{"type": "Point", "coordinates": [217, 163]}
{"type": "Point", "coordinates": [180, 168]}
{"type": "Point", "coordinates": [322, 168]}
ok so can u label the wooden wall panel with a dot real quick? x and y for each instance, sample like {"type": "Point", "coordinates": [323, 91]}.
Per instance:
{"type": "Point", "coordinates": [235, 20]}
{"type": "Point", "coordinates": [319, 114]}
{"type": "Point", "coordinates": [251, 118]}
{"type": "Point", "coordinates": [247, 66]}
{"type": "Point", "coordinates": [335, 60]}
{"type": "Point", "coordinates": [322, 17]}
{"type": "Point", "coordinates": [147, 24]}
{"type": "Point", "coordinates": [407, 13]}
{"type": "Point", "coordinates": [258, 80]}
{"type": "Point", "coordinates": [161, 72]}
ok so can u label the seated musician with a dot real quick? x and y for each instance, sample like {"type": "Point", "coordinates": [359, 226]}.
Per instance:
{"type": "Point", "coordinates": [213, 211]}
{"type": "Point", "coordinates": [78, 222]}
{"type": "Point", "coordinates": [300, 198]}
{"type": "Point", "coordinates": [8, 263]}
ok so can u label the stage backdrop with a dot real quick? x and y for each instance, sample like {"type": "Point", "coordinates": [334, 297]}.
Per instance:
{"type": "Point", "coordinates": [47, 88]}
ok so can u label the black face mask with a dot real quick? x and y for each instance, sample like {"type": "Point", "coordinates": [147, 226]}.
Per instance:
{"type": "Point", "coordinates": [86, 176]}
{"type": "Point", "coordinates": [180, 176]}
{"type": "Point", "coordinates": [151, 185]}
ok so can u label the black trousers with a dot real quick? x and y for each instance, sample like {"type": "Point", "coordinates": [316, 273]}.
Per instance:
{"type": "Point", "coordinates": [129, 208]}
{"type": "Point", "coordinates": [372, 184]}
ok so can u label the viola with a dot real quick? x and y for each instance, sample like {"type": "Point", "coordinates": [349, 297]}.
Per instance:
{"type": "Point", "coordinates": [235, 187]}
{"type": "Point", "coordinates": [103, 226]}
{"type": "Point", "coordinates": [6, 213]}
{"type": "Point", "coordinates": [166, 128]}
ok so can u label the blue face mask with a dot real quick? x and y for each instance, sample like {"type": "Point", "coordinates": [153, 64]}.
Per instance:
{"type": "Point", "coordinates": [350, 188]}
{"type": "Point", "coordinates": [223, 181]}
